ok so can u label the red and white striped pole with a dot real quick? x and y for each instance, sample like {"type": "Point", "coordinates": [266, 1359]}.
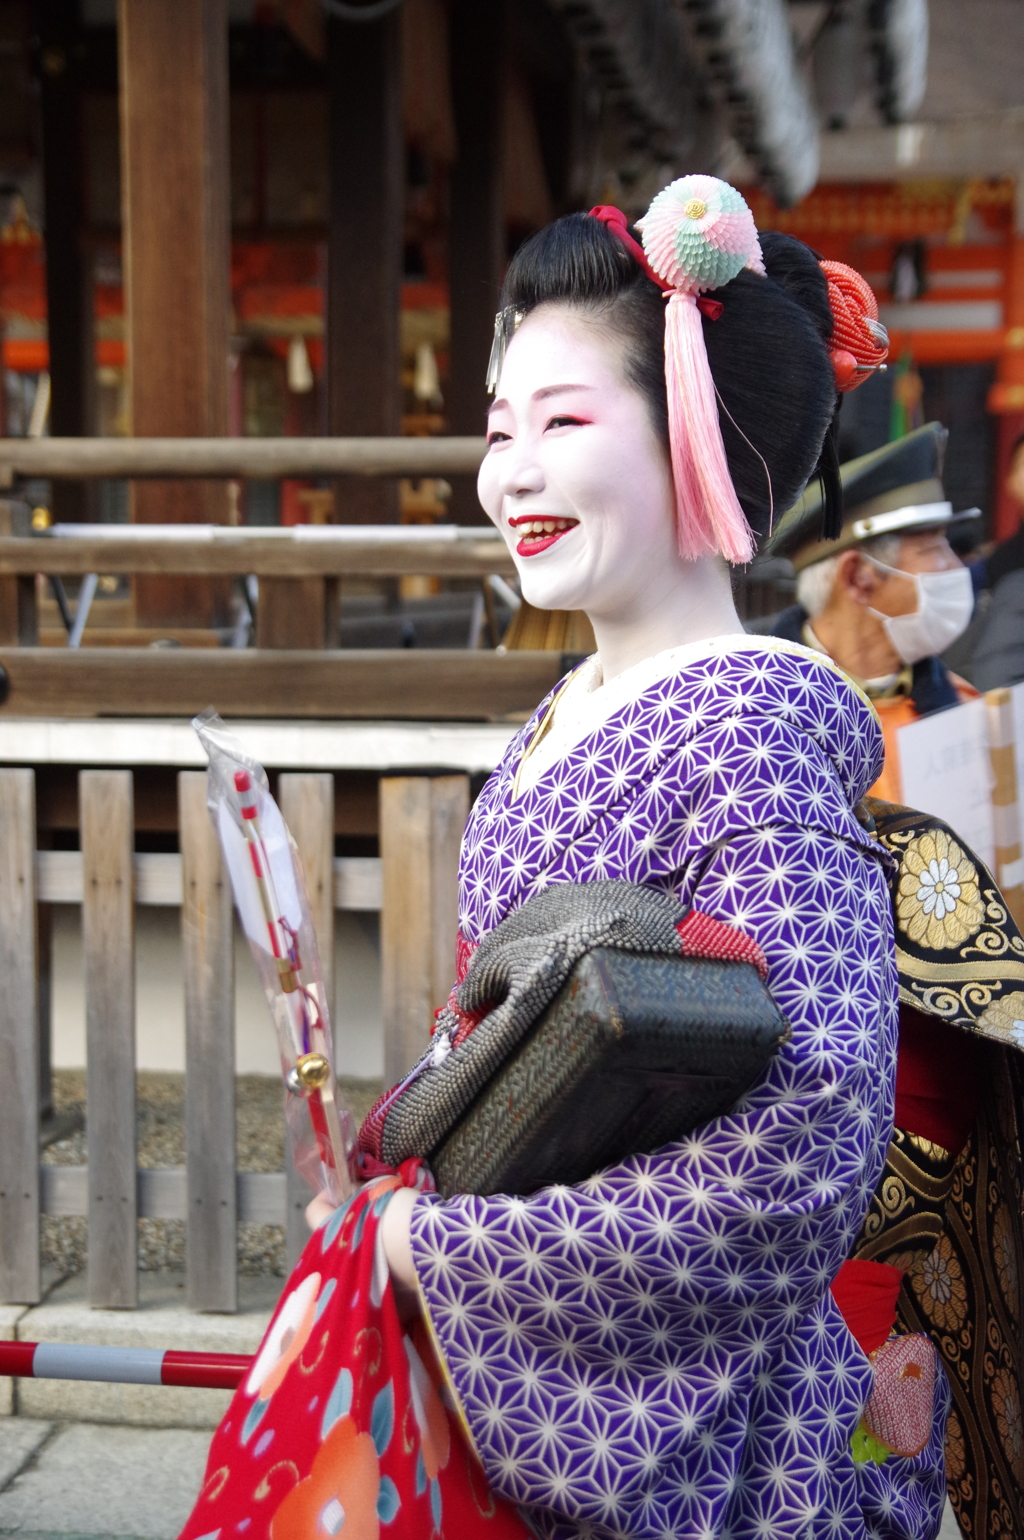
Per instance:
{"type": "Point", "coordinates": [122, 1365]}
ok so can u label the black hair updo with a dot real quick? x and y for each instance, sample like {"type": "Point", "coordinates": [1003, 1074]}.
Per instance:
{"type": "Point", "coordinates": [768, 350]}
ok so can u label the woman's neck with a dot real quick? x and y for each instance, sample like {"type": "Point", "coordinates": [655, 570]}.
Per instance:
{"type": "Point", "coordinates": [687, 604]}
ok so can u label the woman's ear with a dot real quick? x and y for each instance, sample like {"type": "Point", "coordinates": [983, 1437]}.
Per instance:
{"type": "Point", "coordinates": [857, 579]}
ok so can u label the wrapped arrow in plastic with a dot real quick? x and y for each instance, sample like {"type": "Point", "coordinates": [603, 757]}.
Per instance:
{"type": "Point", "coordinates": [273, 908]}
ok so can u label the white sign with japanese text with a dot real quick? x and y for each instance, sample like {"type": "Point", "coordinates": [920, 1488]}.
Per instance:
{"type": "Point", "coordinates": [1017, 698]}
{"type": "Point", "coordinates": [945, 770]}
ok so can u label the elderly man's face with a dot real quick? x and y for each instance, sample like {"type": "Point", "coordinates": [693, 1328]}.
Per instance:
{"type": "Point", "coordinates": [890, 592]}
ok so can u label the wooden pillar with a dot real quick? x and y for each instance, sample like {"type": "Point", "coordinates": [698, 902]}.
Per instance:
{"type": "Point", "coordinates": [68, 268]}
{"type": "Point", "coordinates": [174, 172]}
{"type": "Point", "coordinates": [307, 806]}
{"type": "Point", "coordinates": [1006, 516]}
{"type": "Point", "coordinates": [208, 956]}
{"type": "Point", "coordinates": [1006, 397]}
{"type": "Point", "coordinates": [292, 612]}
{"type": "Point", "coordinates": [364, 250]}
{"type": "Point", "coordinates": [19, 621]}
{"type": "Point", "coordinates": [107, 824]}
{"type": "Point", "coordinates": [421, 823]}
{"type": "Point", "coordinates": [477, 241]}
{"type": "Point", "coordinates": [19, 1061]}
{"type": "Point", "coordinates": [44, 987]}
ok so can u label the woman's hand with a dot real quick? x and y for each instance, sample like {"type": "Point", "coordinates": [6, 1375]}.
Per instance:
{"type": "Point", "coordinates": [396, 1225]}
{"type": "Point", "coordinates": [396, 1238]}
{"type": "Point", "coordinates": [320, 1210]}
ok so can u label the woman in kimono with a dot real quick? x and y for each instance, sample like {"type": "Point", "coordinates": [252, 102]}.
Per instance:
{"type": "Point", "coordinates": [655, 1352]}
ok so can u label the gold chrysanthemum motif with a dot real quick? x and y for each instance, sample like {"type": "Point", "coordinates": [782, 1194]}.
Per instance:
{"type": "Point", "coordinates": [938, 904]}
{"type": "Point", "coordinates": [1006, 1016]}
{"type": "Point", "coordinates": [1004, 1254]}
{"type": "Point", "coordinates": [695, 209]}
{"type": "Point", "coordinates": [1009, 1423]}
{"type": "Point", "coordinates": [938, 1282]}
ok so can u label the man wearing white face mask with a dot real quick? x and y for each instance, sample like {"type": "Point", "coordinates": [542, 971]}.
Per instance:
{"type": "Point", "coordinates": [890, 594]}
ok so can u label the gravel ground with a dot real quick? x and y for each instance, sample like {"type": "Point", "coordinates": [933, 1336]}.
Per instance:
{"type": "Point", "coordinates": [259, 1146]}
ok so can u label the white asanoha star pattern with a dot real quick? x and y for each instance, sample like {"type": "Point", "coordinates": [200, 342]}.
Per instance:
{"type": "Point", "coordinates": [654, 1354]}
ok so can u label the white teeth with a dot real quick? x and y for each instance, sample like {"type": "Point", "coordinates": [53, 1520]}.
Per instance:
{"type": "Point", "coordinates": [544, 526]}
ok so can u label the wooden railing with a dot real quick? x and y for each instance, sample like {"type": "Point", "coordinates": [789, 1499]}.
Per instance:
{"type": "Point", "coordinates": [298, 573]}
{"type": "Point", "coordinates": [267, 681]}
{"type": "Point", "coordinates": [413, 884]}
{"type": "Point", "coordinates": [328, 550]}
{"type": "Point", "coordinates": [259, 458]}
{"type": "Point", "coordinates": [416, 685]}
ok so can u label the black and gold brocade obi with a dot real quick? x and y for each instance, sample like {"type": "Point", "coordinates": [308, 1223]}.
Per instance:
{"type": "Point", "coordinates": [948, 1209]}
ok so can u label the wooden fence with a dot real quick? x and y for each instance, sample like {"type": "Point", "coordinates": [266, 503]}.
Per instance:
{"type": "Point", "coordinates": [413, 884]}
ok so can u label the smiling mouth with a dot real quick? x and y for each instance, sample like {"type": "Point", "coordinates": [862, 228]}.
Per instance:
{"type": "Point", "coordinates": [536, 535]}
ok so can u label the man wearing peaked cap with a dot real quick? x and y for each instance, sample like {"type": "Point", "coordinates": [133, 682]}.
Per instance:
{"type": "Point", "coordinates": [889, 594]}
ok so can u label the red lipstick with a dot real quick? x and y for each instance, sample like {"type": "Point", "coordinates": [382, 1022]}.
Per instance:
{"type": "Point", "coordinates": [539, 533]}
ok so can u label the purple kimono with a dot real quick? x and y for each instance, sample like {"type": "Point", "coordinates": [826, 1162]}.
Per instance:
{"type": "Point", "coordinates": [654, 1353]}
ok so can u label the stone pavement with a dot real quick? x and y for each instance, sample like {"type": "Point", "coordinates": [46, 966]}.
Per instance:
{"type": "Point", "coordinates": [161, 1321]}
{"type": "Point", "coordinates": [85, 1481]}
{"type": "Point", "coordinates": [80, 1461]}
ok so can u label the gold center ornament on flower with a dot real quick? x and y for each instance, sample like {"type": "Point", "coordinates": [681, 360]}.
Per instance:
{"type": "Point", "coordinates": [695, 209]}
{"type": "Point", "coordinates": [938, 903]}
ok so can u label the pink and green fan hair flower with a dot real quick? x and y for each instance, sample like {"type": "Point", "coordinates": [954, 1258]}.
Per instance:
{"type": "Point", "coordinates": [699, 233]}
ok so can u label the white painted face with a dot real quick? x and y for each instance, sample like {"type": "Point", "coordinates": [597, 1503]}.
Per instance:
{"type": "Point", "coordinates": [575, 476]}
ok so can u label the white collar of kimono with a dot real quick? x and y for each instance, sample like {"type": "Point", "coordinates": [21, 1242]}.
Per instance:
{"type": "Point", "coordinates": [586, 702]}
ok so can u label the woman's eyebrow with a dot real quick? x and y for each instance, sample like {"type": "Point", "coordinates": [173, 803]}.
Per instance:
{"type": "Point", "coordinates": [539, 395]}
{"type": "Point", "coordinates": [555, 390]}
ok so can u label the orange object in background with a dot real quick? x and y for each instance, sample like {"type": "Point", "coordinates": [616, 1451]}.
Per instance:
{"type": "Point", "coordinates": [26, 355]}
{"type": "Point", "coordinates": [303, 503]}
{"type": "Point", "coordinates": [23, 303]}
{"type": "Point", "coordinates": [292, 510]}
{"type": "Point", "coordinates": [1006, 398]}
{"type": "Point", "coordinates": [1007, 394]}
{"type": "Point", "coordinates": [968, 232]}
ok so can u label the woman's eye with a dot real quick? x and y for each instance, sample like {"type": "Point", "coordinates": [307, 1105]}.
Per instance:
{"type": "Point", "coordinates": [565, 422]}
{"type": "Point", "coordinates": [497, 437]}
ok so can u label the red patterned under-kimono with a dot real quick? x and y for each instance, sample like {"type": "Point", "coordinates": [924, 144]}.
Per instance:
{"type": "Point", "coordinates": [343, 1426]}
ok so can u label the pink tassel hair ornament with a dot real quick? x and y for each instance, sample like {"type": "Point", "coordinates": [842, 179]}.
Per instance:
{"type": "Point", "coordinates": [698, 234]}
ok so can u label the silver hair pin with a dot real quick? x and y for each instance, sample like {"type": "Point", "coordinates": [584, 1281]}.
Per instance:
{"type": "Point", "coordinates": [505, 323]}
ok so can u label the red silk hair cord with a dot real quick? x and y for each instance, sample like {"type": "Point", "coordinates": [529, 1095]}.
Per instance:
{"type": "Point", "coordinates": [859, 340]}
{"type": "Point", "coordinates": [866, 1294]}
{"type": "Point", "coordinates": [615, 219]}
{"type": "Point", "coordinates": [712, 308]}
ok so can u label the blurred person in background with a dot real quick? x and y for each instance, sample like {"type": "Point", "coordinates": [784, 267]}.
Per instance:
{"type": "Point", "coordinates": [883, 601]}
{"type": "Point", "coordinates": [890, 594]}
{"type": "Point", "coordinates": [998, 657]}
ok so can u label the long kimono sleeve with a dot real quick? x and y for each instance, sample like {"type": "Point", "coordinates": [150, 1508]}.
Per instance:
{"type": "Point", "coordinates": [655, 1352]}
